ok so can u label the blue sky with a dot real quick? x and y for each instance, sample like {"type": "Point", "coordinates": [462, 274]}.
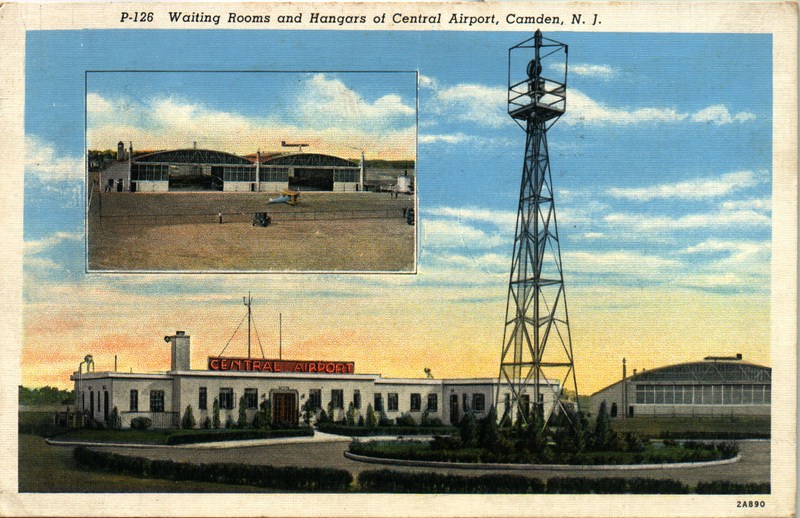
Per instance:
{"type": "Point", "coordinates": [662, 171]}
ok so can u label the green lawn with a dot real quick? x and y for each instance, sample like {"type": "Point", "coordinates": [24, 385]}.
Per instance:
{"type": "Point", "coordinates": [658, 427]}
{"type": "Point", "coordinates": [50, 469]}
{"type": "Point", "coordinates": [126, 436]}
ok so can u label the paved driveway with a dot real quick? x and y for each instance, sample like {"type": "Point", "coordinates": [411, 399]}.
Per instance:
{"type": "Point", "coordinates": [754, 465]}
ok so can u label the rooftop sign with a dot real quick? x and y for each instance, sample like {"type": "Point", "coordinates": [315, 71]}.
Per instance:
{"type": "Point", "coordinates": [219, 363]}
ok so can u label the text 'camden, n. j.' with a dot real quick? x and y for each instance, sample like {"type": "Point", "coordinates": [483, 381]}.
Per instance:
{"type": "Point", "coordinates": [388, 19]}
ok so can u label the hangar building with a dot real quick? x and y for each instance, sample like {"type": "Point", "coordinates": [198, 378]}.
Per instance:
{"type": "Point", "coordinates": [716, 386]}
{"type": "Point", "coordinates": [287, 384]}
{"type": "Point", "coordinates": [203, 169]}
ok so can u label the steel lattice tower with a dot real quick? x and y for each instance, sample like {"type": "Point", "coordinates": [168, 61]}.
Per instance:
{"type": "Point", "coordinates": [537, 346]}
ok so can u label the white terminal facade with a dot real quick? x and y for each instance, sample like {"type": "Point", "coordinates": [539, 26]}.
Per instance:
{"type": "Point", "coordinates": [287, 384]}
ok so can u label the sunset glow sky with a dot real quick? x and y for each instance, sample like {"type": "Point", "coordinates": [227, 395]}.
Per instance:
{"type": "Point", "coordinates": [662, 171]}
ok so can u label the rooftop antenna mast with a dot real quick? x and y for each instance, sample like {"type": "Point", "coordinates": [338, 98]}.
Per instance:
{"type": "Point", "coordinates": [536, 358]}
{"type": "Point", "coordinates": [248, 301]}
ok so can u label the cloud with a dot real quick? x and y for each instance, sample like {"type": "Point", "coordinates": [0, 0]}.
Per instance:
{"type": "Point", "coordinates": [327, 101]}
{"type": "Point", "coordinates": [47, 164]}
{"type": "Point", "coordinates": [594, 235]}
{"type": "Point", "coordinates": [438, 233]}
{"type": "Point", "coordinates": [587, 70]}
{"type": "Point", "coordinates": [164, 123]}
{"type": "Point", "coordinates": [503, 219]}
{"type": "Point", "coordinates": [719, 115]}
{"type": "Point", "coordinates": [743, 256]}
{"type": "Point", "coordinates": [457, 138]}
{"type": "Point", "coordinates": [38, 246]}
{"type": "Point", "coordinates": [725, 219]}
{"type": "Point", "coordinates": [481, 104]}
{"type": "Point", "coordinates": [634, 264]}
{"type": "Point", "coordinates": [763, 204]}
{"type": "Point", "coordinates": [467, 102]}
{"type": "Point", "coordinates": [460, 138]}
{"type": "Point", "coordinates": [585, 110]}
{"type": "Point", "coordinates": [696, 189]}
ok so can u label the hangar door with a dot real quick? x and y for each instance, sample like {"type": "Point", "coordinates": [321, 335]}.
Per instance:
{"type": "Point", "coordinates": [311, 179]}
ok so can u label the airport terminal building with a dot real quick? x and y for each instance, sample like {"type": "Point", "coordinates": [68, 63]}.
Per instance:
{"type": "Point", "coordinates": [289, 385]}
{"type": "Point", "coordinates": [717, 386]}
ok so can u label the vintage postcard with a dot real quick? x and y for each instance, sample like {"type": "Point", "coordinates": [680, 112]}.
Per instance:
{"type": "Point", "coordinates": [390, 259]}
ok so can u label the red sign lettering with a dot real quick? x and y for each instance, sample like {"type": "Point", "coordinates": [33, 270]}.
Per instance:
{"type": "Point", "coordinates": [219, 363]}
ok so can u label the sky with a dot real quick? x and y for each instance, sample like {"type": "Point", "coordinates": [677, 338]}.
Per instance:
{"type": "Point", "coordinates": [661, 168]}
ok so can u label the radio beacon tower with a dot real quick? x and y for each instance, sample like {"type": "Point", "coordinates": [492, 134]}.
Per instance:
{"type": "Point", "coordinates": [537, 347]}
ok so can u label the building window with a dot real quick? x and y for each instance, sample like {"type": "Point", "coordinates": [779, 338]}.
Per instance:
{"type": "Point", "coordinates": [357, 399]}
{"type": "Point", "coordinates": [134, 401]}
{"type": "Point", "coordinates": [392, 401]}
{"type": "Point", "coordinates": [433, 403]}
{"type": "Point", "coordinates": [156, 400]}
{"type": "Point", "coordinates": [478, 402]}
{"type": "Point", "coordinates": [315, 399]}
{"type": "Point", "coordinates": [465, 402]}
{"type": "Point", "coordinates": [378, 402]}
{"type": "Point", "coordinates": [226, 398]}
{"type": "Point", "coordinates": [202, 402]}
{"type": "Point", "coordinates": [416, 402]}
{"type": "Point", "coordinates": [250, 398]}
{"type": "Point", "coordinates": [337, 398]}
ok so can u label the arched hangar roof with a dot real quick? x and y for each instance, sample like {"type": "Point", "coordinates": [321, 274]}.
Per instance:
{"type": "Point", "coordinates": [706, 372]}
{"type": "Point", "coordinates": [309, 160]}
{"type": "Point", "coordinates": [193, 156]}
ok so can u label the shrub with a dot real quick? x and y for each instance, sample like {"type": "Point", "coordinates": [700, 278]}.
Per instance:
{"type": "Point", "coordinates": [188, 420]}
{"type": "Point", "coordinates": [350, 417]}
{"type": "Point", "coordinates": [372, 419]}
{"type": "Point", "coordinates": [215, 413]}
{"type": "Point", "coordinates": [242, 421]}
{"type": "Point", "coordinates": [603, 437]}
{"type": "Point", "coordinates": [141, 423]}
{"type": "Point", "coordinates": [265, 413]}
{"type": "Point", "coordinates": [114, 420]}
{"type": "Point", "coordinates": [383, 420]}
{"type": "Point", "coordinates": [323, 417]}
{"type": "Point", "coordinates": [728, 449]}
{"type": "Point", "coordinates": [405, 420]}
{"type": "Point", "coordinates": [361, 421]}
{"type": "Point", "coordinates": [207, 423]}
{"type": "Point", "coordinates": [446, 442]}
{"type": "Point", "coordinates": [488, 434]}
{"type": "Point", "coordinates": [468, 428]}
{"type": "Point", "coordinates": [229, 422]}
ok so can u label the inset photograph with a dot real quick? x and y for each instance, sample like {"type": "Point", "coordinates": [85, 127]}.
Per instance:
{"type": "Point", "coordinates": [251, 171]}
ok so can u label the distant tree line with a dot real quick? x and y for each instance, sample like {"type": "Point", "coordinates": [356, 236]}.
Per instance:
{"type": "Point", "coordinates": [45, 396]}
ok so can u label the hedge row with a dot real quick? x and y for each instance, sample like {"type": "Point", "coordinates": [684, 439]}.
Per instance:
{"type": "Point", "coordinates": [616, 485]}
{"type": "Point", "coordinates": [272, 477]}
{"type": "Point", "coordinates": [423, 452]}
{"type": "Point", "coordinates": [389, 481]}
{"type": "Point", "coordinates": [360, 431]}
{"type": "Point", "coordinates": [192, 437]}
{"type": "Point", "coordinates": [724, 487]}
{"type": "Point", "coordinates": [709, 435]}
